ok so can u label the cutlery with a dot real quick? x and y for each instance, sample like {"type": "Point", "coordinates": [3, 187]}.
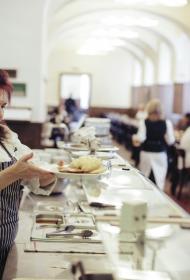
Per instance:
{"type": "Point", "coordinates": [84, 234]}
{"type": "Point", "coordinates": [65, 229]}
{"type": "Point", "coordinates": [101, 205]}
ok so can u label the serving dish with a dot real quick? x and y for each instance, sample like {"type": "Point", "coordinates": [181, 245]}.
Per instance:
{"type": "Point", "coordinates": [82, 147]}
{"type": "Point", "coordinates": [79, 175]}
{"type": "Point", "coordinates": [99, 154]}
{"type": "Point", "coordinates": [69, 172]}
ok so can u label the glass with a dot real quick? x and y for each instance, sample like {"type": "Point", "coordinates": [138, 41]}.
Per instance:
{"type": "Point", "coordinates": [135, 260]}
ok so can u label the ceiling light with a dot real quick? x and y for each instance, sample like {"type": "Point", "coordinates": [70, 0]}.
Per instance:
{"type": "Point", "coordinates": [130, 21]}
{"type": "Point", "coordinates": [169, 3]}
{"type": "Point", "coordinates": [174, 3]}
{"type": "Point", "coordinates": [100, 46]}
{"type": "Point", "coordinates": [102, 43]}
{"type": "Point", "coordinates": [88, 52]}
{"type": "Point", "coordinates": [137, 2]}
{"type": "Point", "coordinates": [115, 33]}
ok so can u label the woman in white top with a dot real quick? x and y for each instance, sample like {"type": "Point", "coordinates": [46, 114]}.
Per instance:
{"type": "Point", "coordinates": [185, 145]}
{"type": "Point", "coordinates": [16, 170]}
{"type": "Point", "coordinates": [141, 112]}
{"type": "Point", "coordinates": [154, 134]}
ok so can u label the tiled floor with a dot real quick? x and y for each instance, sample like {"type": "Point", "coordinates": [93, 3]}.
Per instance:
{"type": "Point", "coordinates": [184, 201]}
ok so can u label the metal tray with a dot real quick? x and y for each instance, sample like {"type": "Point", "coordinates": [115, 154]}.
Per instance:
{"type": "Point", "coordinates": [49, 219]}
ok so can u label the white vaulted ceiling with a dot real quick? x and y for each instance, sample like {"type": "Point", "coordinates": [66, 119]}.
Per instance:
{"type": "Point", "coordinates": [72, 22]}
{"type": "Point", "coordinates": [138, 30]}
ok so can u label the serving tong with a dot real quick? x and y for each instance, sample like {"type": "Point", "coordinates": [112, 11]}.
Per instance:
{"type": "Point", "coordinates": [66, 229]}
{"type": "Point", "coordinates": [86, 233]}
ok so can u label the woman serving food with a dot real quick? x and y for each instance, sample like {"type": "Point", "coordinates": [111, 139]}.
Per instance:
{"type": "Point", "coordinates": [16, 170]}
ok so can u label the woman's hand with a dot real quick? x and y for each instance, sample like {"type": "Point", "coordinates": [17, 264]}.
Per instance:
{"type": "Point", "coordinates": [23, 169]}
{"type": "Point", "coordinates": [47, 179]}
{"type": "Point", "coordinates": [135, 141]}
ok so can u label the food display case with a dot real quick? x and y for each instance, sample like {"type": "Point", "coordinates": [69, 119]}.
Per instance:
{"type": "Point", "coordinates": [88, 212]}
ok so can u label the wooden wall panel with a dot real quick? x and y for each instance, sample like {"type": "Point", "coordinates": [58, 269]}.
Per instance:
{"type": "Point", "coordinates": [165, 93]}
{"type": "Point", "coordinates": [175, 98]}
{"type": "Point", "coordinates": [140, 94]}
{"type": "Point", "coordinates": [100, 111]}
{"type": "Point", "coordinates": [181, 98]}
{"type": "Point", "coordinates": [178, 99]}
{"type": "Point", "coordinates": [186, 98]}
{"type": "Point", "coordinates": [145, 93]}
{"type": "Point", "coordinates": [29, 133]}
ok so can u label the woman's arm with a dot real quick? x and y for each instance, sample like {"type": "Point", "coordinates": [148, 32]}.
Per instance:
{"type": "Point", "coordinates": [7, 177]}
{"type": "Point", "coordinates": [23, 169]}
{"type": "Point", "coordinates": [35, 184]}
{"type": "Point", "coordinates": [141, 133]}
{"type": "Point", "coordinates": [169, 137]}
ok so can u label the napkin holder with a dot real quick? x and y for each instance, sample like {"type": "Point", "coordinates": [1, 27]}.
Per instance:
{"type": "Point", "coordinates": [132, 229]}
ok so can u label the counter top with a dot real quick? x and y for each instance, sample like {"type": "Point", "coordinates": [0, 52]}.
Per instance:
{"type": "Point", "coordinates": [172, 256]}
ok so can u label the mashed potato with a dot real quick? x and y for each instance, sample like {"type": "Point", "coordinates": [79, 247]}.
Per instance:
{"type": "Point", "coordinates": [87, 163]}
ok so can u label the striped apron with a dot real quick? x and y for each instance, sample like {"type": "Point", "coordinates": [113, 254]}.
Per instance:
{"type": "Point", "coordinates": [9, 205]}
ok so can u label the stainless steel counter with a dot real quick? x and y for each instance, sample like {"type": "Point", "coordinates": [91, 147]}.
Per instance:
{"type": "Point", "coordinates": [172, 256]}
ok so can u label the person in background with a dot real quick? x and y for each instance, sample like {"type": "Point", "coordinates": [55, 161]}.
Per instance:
{"type": "Point", "coordinates": [72, 108]}
{"type": "Point", "coordinates": [184, 150]}
{"type": "Point", "coordinates": [184, 122]}
{"type": "Point", "coordinates": [181, 126]}
{"type": "Point", "coordinates": [185, 145]}
{"type": "Point", "coordinates": [141, 112]}
{"type": "Point", "coordinates": [16, 170]}
{"type": "Point", "coordinates": [60, 131]}
{"type": "Point", "coordinates": [136, 146]}
{"type": "Point", "coordinates": [70, 105]}
{"type": "Point", "coordinates": [154, 134]}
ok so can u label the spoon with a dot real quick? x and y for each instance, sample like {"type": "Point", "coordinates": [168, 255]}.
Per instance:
{"type": "Point", "coordinates": [67, 228]}
{"type": "Point", "coordinates": [84, 234]}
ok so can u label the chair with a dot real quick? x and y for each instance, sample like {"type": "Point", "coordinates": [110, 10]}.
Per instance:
{"type": "Point", "coordinates": [181, 170]}
{"type": "Point", "coordinates": [181, 175]}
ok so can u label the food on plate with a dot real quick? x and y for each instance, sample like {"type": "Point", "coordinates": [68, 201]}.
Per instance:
{"type": "Point", "coordinates": [69, 169]}
{"type": "Point", "coordinates": [84, 164]}
{"type": "Point", "coordinates": [61, 163]}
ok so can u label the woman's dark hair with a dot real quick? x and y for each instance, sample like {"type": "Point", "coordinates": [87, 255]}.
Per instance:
{"type": "Point", "coordinates": [2, 133]}
{"type": "Point", "coordinates": [5, 83]}
{"type": "Point", "coordinates": [6, 86]}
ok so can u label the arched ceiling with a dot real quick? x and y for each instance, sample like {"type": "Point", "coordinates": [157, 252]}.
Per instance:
{"type": "Point", "coordinates": [73, 22]}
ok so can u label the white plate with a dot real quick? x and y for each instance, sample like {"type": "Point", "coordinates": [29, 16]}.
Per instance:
{"type": "Point", "coordinates": [71, 175]}
{"type": "Point", "coordinates": [102, 155]}
{"type": "Point", "coordinates": [75, 176]}
{"type": "Point", "coordinates": [75, 147]}
{"type": "Point", "coordinates": [108, 149]}
{"type": "Point", "coordinates": [80, 147]}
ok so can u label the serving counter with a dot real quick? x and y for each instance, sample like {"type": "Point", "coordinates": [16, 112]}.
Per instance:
{"type": "Point", "coordinates": [27, 260]}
